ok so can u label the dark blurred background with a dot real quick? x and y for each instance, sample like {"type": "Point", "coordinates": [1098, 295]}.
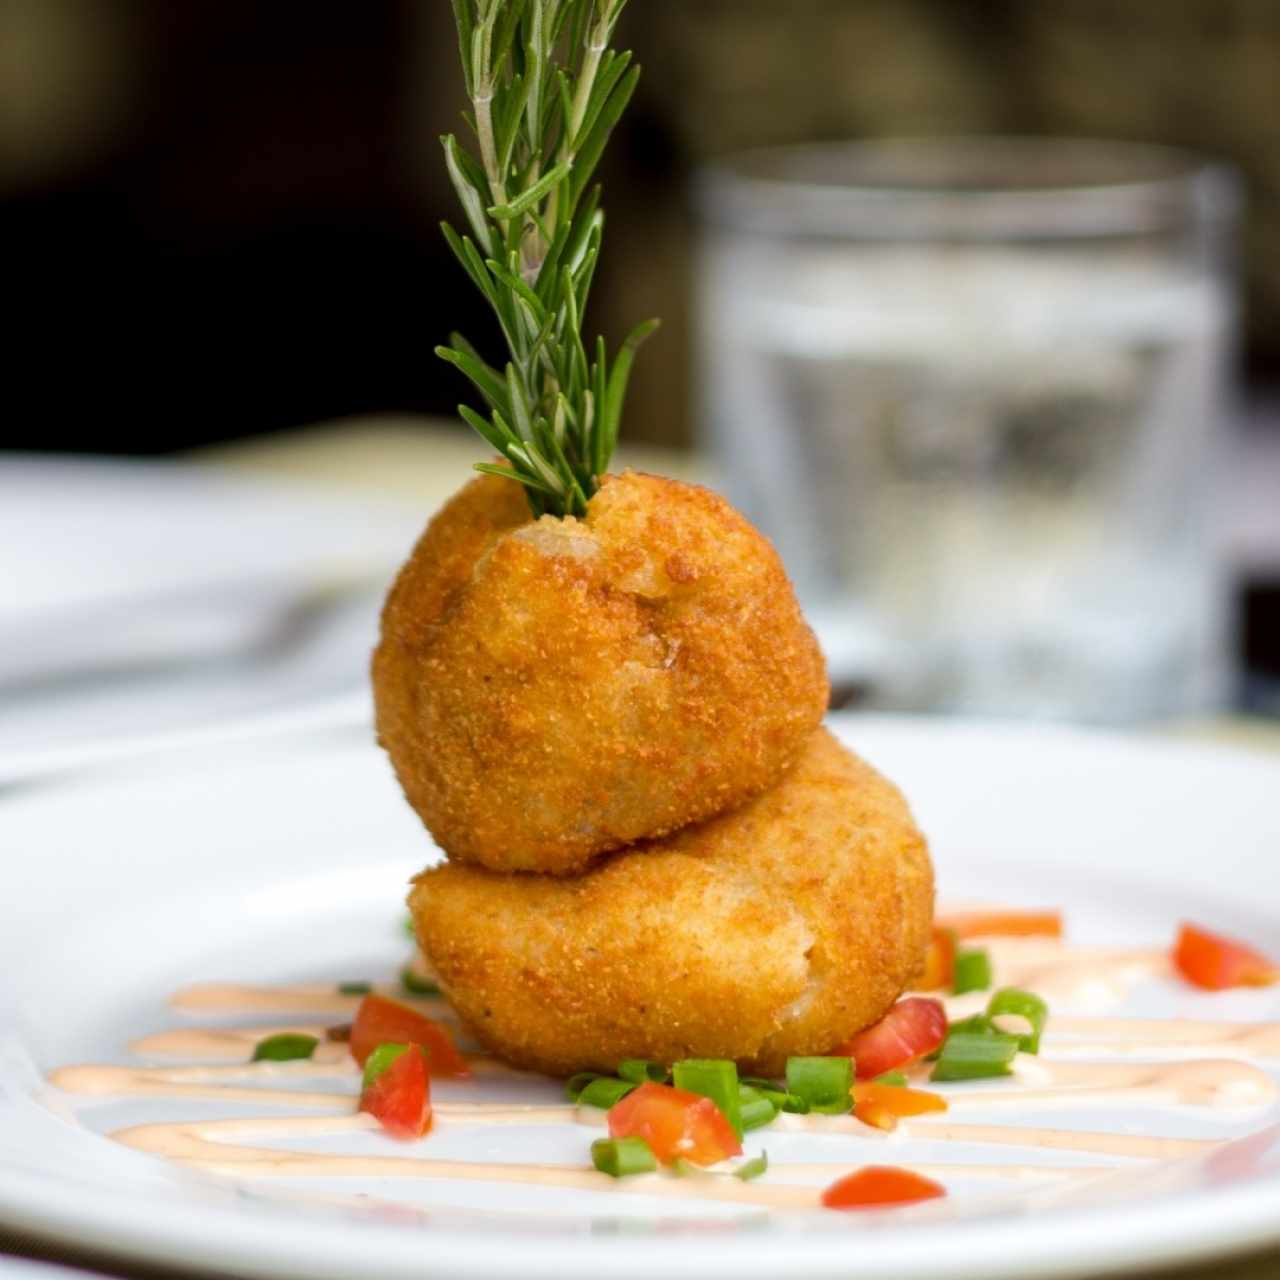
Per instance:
{"type": "Point", "coordinates": [219, 218]}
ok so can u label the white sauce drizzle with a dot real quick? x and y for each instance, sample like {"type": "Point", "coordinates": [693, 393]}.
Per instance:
{"type": "Point", "coordinates": [216, 1068]}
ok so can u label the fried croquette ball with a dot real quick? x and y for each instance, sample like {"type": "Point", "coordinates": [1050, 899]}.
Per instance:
{"type": "Point", "coordinates": [780, 928]}
{"type": "Point", "coordinates": [549, 690]}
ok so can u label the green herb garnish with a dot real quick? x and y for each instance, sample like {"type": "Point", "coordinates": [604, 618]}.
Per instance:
{"type": "Point", "coordinates": [981, 1056]}
{"type": "Point", "coordinates": [622, 1157]}
{"type": "Point", "coordinates": [286, 1047]}
{"type": "Point", "coordinates": [603, 1092]}
{"type": "Point", "coordinates": [896, 1078]}
{"type": "Point", "coordinates": [414, 982]}
{"type": "Point", "coordinates": [753, 1168]}
{"type": "Point", "coordinates": [574, 1086]}
{"type": "Point", "coordinates": [380, 1059]}
{"type": "Point", "coordinates": [714, 1078]}
{"type": "Point", "coordinates": [781, 1099]}
{"type": "Point", "coordinates": [546, 91]}
{"type": "Point", "coordinates": [976, 1024]}
{"type": "Point", "coordinates": [825, 1084]}
{"type": "Point", "coordinates": [1022, 1004]}
{"type": "Point", "coordinates": [637, 1070]}
{"type": "Point", "coordinates": [972, 971]}
{"type": "Point", "coordinates": [756, 1107]}
{"type": "Point", "coordinates": [354, 988]}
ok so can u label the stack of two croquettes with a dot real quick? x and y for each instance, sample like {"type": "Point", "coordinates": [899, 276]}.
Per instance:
{"type": "Point", "coordinates": [611, 726]}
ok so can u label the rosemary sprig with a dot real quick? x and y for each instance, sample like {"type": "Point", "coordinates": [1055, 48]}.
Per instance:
{"type": "Point", "coordinates": [546, 91]}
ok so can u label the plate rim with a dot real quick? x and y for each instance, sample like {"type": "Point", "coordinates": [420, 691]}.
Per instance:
{"type": "Point", "coordinates": [1225, 1225]}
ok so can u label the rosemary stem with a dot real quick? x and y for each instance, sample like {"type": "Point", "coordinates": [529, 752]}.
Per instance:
{"type": "Point", "coordinates": [596, 45]}
{"type": "Point", "coordinates": [587, 81]}
{"type": "Point", "coordinates": [532, 249]}
{"type": "Point", "coordinates": [545, 93]}
{"type": "Point", "coordinates": [483, 103]}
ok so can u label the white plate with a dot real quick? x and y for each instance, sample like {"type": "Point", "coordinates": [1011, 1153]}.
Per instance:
{"type": "Point", "coordinates": [286, 860]}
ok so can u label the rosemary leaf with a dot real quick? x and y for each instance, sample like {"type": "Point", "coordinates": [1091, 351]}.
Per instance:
{"type": "Point", "coordinates": [617, 388]}
{"type": "Point", "coordinates": [592, 147]}
{"type": "Point", "coordinates": [611, 71]}
{"type": "Point", "coordinates": [472, 204]}
{"type": "Point", "coordinates": [466, 254]}
{"type": "Point", "coordinates": [528, 199]}
{"type": "Point", "coordinates": [485, 380]}
{"type": "Point", "coordinates": [519, 406]}
{"type": "Point", "coordinates": [485, 429]}
{"type": "Point", "coordinates": [462, 18]}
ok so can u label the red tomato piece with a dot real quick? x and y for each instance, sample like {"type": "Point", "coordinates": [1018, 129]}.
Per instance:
{"type": "Point", "coordinates": [675, 1123]}
{"type": "Point", "coordinates": [400, 1098]}
{"type": "Point", "coordinates": [883, 1105]}
{"type": "Point", "coordinates": [1216, 963]}
{"type": "Point", "coordinates": [382, 1021]}
{"type": "Point", "coordinates": [913, 1027]}
{"type": "Point", "coordinates": [880, 1185]}
{"type": "Point", "coordinates": [1004, 924]}
{"type": "Point", "coordinates": [939, 961]}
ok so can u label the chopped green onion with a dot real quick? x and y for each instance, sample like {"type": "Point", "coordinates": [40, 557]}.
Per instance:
{"type": "Point", "coordinates": [622, 1157]}
{"type": "Point", "coordinates": [1022, 1004]}
{"type": "Point", "coordinates": [380, 1059]}
{"type": "Point", "coordinates": [575, 1084]}
{"type": "Point", "coordinates": [408, 927]}
{"type": "Point", "coordinates": [683, 1168]}
{"type": "Point", "coordinates": [897, 1078]}
{"type": "Point", "coordinates": [756, 1107]}
{"type": "Point", "coordinates": [354, 988]}
{"type": "Point", "coordinates": [977, 1024]}
{"type": "Point", "coordinates": [753, 1168]}
{"type": "Point", "coordinates": [603, 1092]}
{"type": "Point", "coordinates": [781, 1099]}
{"type": "Point", "coordinates": [972, 971]}
{"type": "Point", "coordinates": [966, 1056]}
{"type": "Point", "coordinates": [714, 1078]}
{"type": "Point", "coordinates": [285, 1047]}
{"type": "Point", "coordinates": [413, 981]}
{"type": "Point", "coordinates": [824, 1083]}
{"type": "Point", "coordinates": [637, 1070]}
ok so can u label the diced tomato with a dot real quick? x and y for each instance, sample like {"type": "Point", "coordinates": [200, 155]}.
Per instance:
{"type": "Point", "coordinates": [913, 1027]}
{"type": "Point", "coordinates": [382, 1021]}
{"type": "Point", "coordinates": [880, 1185]}
{"type": "Point", "coordinates": [400, 1098]}
{"type": "Point", "coordinates": [883, 1105]}
{"type": "Point", "coordinates": [1004, 924]}
{"type": "Point", "coordinates": [939, 961]}
{"type": "Point", "coordinates": [1216, 963]}
{"type": "Point", "coordinates": [675, 1123]}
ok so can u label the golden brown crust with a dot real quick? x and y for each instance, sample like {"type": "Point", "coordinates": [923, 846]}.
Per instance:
{"type": "Point", "coordinates": [778, 929]}
{"type": "Point", "coordinates": [550, 691]}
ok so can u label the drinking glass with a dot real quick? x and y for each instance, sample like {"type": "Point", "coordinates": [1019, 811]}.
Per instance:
{"type": "Point", "coordinates": [971, 390]}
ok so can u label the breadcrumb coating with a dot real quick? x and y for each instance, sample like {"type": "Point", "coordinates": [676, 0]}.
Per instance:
{"type": "Point", "coordinates": [781, 928]}
{"type": "Point", "coordinates": [552, 690]}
